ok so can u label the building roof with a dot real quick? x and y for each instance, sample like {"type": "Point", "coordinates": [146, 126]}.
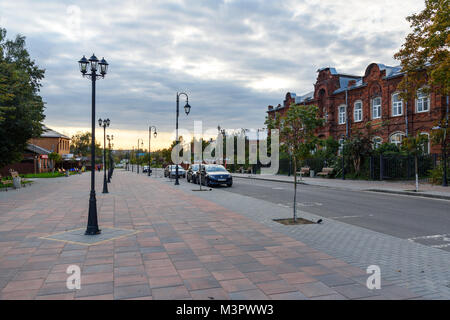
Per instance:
{"type": "Point", "coordinates": [49, 133]}
{"type": "Point", "coordinates": [36, 149]}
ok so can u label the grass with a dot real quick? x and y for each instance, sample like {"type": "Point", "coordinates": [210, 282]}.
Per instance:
{"type": "Point", "coordinates": [10, 185]}
{"type": "Point", "coordinates": [43, 175]}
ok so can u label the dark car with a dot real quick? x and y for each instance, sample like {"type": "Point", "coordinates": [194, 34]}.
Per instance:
{"type": "Point", "coordinates": [146, 168]}
{"type": "Point", "coordinates": [170, 171]}
{"type": "Point", "coordinates": [214, 175]}
{"type": "Point", "coordinates": [192, 173]}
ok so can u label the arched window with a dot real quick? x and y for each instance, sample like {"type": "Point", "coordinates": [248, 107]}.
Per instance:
{"type": "Point", "coordinates": [426, 147]}
{"type": "Point", "coordinates": [342, 115]}
{"type": "Point", "coordinates": [377, 142]}
{"type": "Point", "coordinates": [422, 101]}
{"type": "Point", "coordinates": [376, 108]}
{"type": "Point", "coordinates": [397, 105]}
{"type": "Point", "coordinates": [397, 138]}
{"type": "Point", "coordinates": [357, 111]}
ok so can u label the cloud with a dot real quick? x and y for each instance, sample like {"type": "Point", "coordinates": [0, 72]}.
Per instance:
{"type": "Point", "coordinates": [233, 58]}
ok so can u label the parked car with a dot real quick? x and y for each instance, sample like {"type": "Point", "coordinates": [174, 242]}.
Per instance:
{"type": "Point", "coordinates": [214, 174]}
{"type": "Point", "coordinates": [146, 168]}
{"type": "Point", "coordinates": [170, 171]}
{"type": "Point", "coordinates": [192, 173]}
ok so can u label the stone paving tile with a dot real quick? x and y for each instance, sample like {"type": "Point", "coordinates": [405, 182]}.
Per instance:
{"type": "Point", "coordinates": [133, 291]}
{"type": "Point", "coordinates": [192, 249]}
{"type": "Point", "coordinates": [210, 294]}
{"type": "Point", "coordinates": [315, 289]}
{"type": "Point", "coordinates": [254, 294]}
{"type": "Point", "coordinates": [171, 293]}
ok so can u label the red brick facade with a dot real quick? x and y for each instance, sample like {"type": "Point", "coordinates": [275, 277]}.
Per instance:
{"type": "Point", "coordinates": [333, 89]}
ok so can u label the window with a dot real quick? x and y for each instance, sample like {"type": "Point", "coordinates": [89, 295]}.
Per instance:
{"type": "Point", "coordinates": [341, 146]}
{"type": "Point", "coordinates": [376, 108]}
{"type": "Point", "coordinates": [377, 141]}
{"type": "Point", "coordinates": [426, 147]}
{"type": "Point", "coordinates": [397, 105]}
{"type": "Point", "coordinates": [422, 102]}
{"type": "Point", "coordinates": [397, 138]}
{"type": "Point", "coordinates": [342, 115]}
{"type": "Point", "coordinates": [357, 111]}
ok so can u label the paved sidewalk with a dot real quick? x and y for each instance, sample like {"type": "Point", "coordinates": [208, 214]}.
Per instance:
{"type": "Point", "coordinates": [187, 247]}
{"type": "Point", "coordinates": [398, 187]}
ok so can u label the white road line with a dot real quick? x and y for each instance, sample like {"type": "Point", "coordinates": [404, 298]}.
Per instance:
{"type": "Point", "coordinates": [435, 236]}
{"type": "Point", "coordinates": [346, 217]}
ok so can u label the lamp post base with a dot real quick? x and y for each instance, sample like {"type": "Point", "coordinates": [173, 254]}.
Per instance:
{"type": "Point", "coordinates": [105, 186]}
{"type": "Point", "coordinates": [92, 227]}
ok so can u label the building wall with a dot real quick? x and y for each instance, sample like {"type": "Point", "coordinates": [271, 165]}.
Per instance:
{"type": "Point", "coordinates": [57, 144]}
{"type": "Point", "coordinates": [376, 85]}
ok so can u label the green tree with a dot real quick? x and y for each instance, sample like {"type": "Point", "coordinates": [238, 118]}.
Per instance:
{"type": "Point", "coordinates": [21, 106]}
{"type": "Point", "coordinates": [55, 158]}
{"type": "Point", "coordinates": [360, 145]}
{"type": "Point", "coordinates": [415, 145]}
{"type": "Point", "coordinates": [297, 135]}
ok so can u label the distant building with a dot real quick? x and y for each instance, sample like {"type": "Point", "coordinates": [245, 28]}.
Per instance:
{"type": "Point", "coordinates": [53, 141]}
{"type": "Point", "coordinates": [348, 102]}
{"type": "Point", "coordinates": [35, 156]}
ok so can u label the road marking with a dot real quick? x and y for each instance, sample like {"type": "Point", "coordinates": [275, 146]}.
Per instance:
{"type": "Point", "coordinates": [345, 217]}
{"type": "Point", "coordinates": [435, 236]}
{"type": "Point", "coordinates": [309, 204]}
{"type": "Point", "coordinates": [277, 188]}
{"type": "Point", "coordinates": [283, 205]}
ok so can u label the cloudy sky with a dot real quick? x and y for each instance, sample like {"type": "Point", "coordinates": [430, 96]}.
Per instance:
{"type": "Point", "coordinates": [232, 57]}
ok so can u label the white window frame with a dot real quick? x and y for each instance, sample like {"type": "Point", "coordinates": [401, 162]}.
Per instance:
{"type": "Point", "coordinates": [397, 105]}
{"type": "Point", "coordinates": [358, 112]}
{"type": "Point", "coordinates": [395, 134]}
{"type": "Point", "coordinates": [342, 116]}
{"type": "Point", "coordinates": [420, 101]}
{"type": "Point", "coordinates": [428, 143]}
{"type": "Point", "coordinates": [375, 144]}
{"type": "Point", "coordinates": [378, 107]}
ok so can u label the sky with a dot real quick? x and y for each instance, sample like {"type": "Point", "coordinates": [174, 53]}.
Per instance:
{"type": "Point", "coordinates": [233, 58]}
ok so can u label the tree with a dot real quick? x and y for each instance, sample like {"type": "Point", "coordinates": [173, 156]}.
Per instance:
{"type": "Point", "coordinates": [297, 135]}
{"type": "Point", "coordinates": [424, 56]}
{"type": "Point", "coordinates": [415, 145]}
{"type": "Point", "coordinates": [80, 145]}
{"type": "Point", "coordinates": [55, 158]}
{"type": "Point", "coordinates": [360, 145]}
{"type": "Point", "coordinates": [21, 106]}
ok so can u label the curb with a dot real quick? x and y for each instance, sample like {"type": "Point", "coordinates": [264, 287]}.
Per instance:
{"type": "Point", "coordinates": [407, 193]}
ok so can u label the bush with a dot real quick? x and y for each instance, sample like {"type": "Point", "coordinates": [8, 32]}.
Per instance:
{"type": "Point", "coordinates": [436, 174]}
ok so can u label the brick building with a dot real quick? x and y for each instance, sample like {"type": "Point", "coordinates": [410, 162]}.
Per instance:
{"type": "Point", "coordinates": [347, 102]}
{"type": "Point", "coordinates": [53, 141]}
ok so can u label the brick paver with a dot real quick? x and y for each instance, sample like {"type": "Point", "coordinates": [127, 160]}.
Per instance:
{"type": "Point", "coordinates": [187, 248]}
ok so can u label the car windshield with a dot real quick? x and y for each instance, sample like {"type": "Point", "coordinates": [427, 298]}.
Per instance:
{"type": "Point", "coordinates": [215, 169]}
{"type": "Point", "coordinates": [173, 167]}
{"type": "Point", "coordinates": [194, 167]}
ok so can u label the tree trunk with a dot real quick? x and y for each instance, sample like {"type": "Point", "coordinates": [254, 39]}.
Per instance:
{"type": "Point", "coordinates": [295, 188]}
{"type": "Point", "coordinates": [417, 173]}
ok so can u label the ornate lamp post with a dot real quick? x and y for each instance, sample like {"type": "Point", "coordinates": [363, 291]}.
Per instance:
{"type": "Point", "coordinates": [104, 123]}
{"type": "Point", "coordinates": [110, 158]}
{"type": "Point", "coordinates": [187, 109]}
{"type": "Point", "coordinates": [149, 140]}
{"type": "Point", "coordinates": [137, 156]}
{"type": "Point", "coordinates": [89, 69]}
{"type": "Point", "coordinates": [222, 132]}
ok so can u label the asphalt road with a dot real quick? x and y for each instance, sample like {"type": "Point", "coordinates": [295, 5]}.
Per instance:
{"type": "Point", "coordinates": [422, 220]}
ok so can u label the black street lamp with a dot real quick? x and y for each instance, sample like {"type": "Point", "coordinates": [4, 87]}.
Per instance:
{"type": "Point", "coordinates": [223, 133]}
{"type": "Point", "coordinates": [109, 156]}
{"type": "Point", "coordinates": [187, 109]}
{"type": "Point", "coordinates": [88, 69]}
{"type": "Point", "coordinates": [104, 123]}
{"type": "Point", "coordinates": [149, 140]}
{"type": "Point", "coordinates": [343, 156]}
